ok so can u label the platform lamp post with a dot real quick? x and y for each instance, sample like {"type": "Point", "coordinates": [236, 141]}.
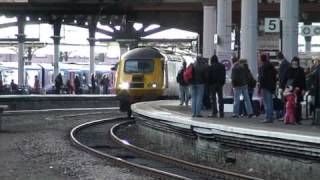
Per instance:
{"type": "Point", "coordinates": [289, 14]}
{"type": "Point", "coordinates": [209, 29]}
{"type": "Point", "coordinates": [21, 37]}
{"type": "Point", "coordinates": [249, 33]}
{"type": "Point", "coordinates": [92, 27]}
{"type": "Point", "coordinates": [56, 41]}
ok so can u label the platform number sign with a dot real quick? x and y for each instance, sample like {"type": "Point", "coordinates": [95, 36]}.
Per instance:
{"type": "Point", "coordinates": [271, 25]}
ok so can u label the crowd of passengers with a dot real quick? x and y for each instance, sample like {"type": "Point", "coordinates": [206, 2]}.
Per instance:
{"type": "Point", "coordinates": [71, 86]}
{"type": "Point", "coordinates": [74, 86]}
{"type": "Point", "coordinates": [281, 90]}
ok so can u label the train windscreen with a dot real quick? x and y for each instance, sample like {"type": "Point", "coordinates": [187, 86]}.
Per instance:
{"type": "Point", "coordinates": [139, 66]}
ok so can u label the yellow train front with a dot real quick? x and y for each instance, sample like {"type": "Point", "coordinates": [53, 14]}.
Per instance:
{"type": "Point", "coordinates": [145, 74]}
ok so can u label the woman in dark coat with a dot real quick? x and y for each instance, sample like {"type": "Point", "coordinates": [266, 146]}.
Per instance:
{"type": "Point", "coordinates": [296, 78]}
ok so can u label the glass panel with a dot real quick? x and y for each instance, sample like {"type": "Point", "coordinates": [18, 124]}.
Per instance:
{"type": "Point", "coordinates": [139, 66]}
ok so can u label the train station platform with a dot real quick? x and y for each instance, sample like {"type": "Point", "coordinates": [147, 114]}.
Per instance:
{"type": "Point", "coordinates": [301, 139]}
{"type": "Point", "coordinates": [38, 102]}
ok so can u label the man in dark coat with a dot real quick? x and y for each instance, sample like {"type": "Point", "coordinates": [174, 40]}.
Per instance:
{"type": "Point", "coordinates": [58, 83]}
{"type": "Point", "coordinates": [183, 85]}
{"type": "Point", "coordinates": [217, 78]}
{"type": "Point", "coordinates": [240, 86]}
{"type": "Point", "coordinates": [199, 77]}
{"type": "Point", "coordinates": [296, 79]}
{"type": "Point", "coordinates": [93, 83]}
{"type": "Point", "coordinates": [267, 80]}
{"type": "Point", "coordinates": [283, 67]}
{"type": "Point", "coordinates": [77, 85]}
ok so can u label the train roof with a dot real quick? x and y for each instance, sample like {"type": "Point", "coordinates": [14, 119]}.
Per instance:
{"type": "Point", "coordinates": [143, 53]}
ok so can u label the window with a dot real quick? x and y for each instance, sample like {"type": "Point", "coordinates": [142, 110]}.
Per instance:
{"type": "Point", "coordinates": [139, 66]}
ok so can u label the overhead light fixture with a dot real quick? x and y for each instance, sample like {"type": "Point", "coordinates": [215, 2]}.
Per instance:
{"type": "Point", "coordinates": [117, 28]}
{"type": "Point", "coordinates": [137, 26]}
{"type": "Point", "coordinates": [151, 27]}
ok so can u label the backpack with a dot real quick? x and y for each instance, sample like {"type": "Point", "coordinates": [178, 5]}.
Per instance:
{"type": "Point", "coordinates": [251, 81]}
{"type": "Point", "coordinates": [180, 79]}
{"type": "Point", "coordinates": [187, 74]}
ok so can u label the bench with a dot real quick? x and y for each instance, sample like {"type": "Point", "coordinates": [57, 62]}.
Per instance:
{"type": "Point", "coordinates": [2, 108]}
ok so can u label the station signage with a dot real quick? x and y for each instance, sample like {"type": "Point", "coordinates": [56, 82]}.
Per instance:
{"type": "Point", "coordinates": [271, 25]}
{"type": "Point", "coordinates": [309, 30]}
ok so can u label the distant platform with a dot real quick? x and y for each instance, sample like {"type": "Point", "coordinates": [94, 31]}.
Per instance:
{"type": "Point", "coordinates": [303, 138]}
{"type": "Point", "coordinates": [54, 101]}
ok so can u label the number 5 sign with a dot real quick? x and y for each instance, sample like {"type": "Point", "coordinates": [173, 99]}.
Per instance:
{"type": "Point", "coordinates": [271, 25]}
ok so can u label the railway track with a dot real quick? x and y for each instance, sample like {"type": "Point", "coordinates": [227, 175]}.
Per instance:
{"type": "Point", "coordinates": [99, 138]}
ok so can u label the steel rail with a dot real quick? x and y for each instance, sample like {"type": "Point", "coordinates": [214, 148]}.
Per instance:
{"type": "Point", "coordinates": [214, 172]}
{"type": "Point", "coordinates": [146, 170]}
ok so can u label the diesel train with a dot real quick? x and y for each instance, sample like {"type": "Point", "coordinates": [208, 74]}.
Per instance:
{"type": "Point", "coordinates": [147, 73]}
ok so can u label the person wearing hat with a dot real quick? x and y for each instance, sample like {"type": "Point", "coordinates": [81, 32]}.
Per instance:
{"type": "Point", "coordinates": [295, 79]}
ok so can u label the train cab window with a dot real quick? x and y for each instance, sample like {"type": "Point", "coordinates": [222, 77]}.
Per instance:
{"type": "Point", "coordinates": [139, 66]}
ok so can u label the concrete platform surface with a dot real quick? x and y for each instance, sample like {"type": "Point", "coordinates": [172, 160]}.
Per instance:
{"type": "Point", "coordinates": [180, 116]}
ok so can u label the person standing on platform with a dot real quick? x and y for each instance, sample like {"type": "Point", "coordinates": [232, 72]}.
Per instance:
{"type": "Point", "coordinates": [251, 85]}
{"type": "Point", "coordinates": [93, 84]}
{"type": "Point", "coordinates": [36, 85]}
{"type": "Point", "coordinates": [295, 79]}
{"type": "Point", "coordinates": [13, 87]}
{"type": "Point", "coordinates": [197, 87]}
{"type": "Point", "coordinates": [283, 67]}
{"type": "Point", "coordinates": [267, 85]}
{"type": "Point", "coordinates": [240, 87]}
{"type": "Point", "coordinates": [58, 83]}
{"type": "Point", "coordinates": [106, 85]}
{"type": "Point", "coordinates": [77, 85]}
{"type": "Point", "coordinates": [183, 85]}
{"type": "Point", "coordinates": [70, 88]}
{"type": "Point", "coordinates": [216, 78]}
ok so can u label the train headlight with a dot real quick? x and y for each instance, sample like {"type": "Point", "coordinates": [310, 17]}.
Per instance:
{"type": "Point", "coordinates": [124, 85]}
{"type": "Point", "coordinates": [152, 85]}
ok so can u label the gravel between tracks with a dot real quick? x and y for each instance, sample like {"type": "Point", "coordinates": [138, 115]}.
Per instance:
{"type": "Point", "coordinates": [37, 146]}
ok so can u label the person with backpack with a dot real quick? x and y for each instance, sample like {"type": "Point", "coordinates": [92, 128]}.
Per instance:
{"type": "Point", "coordinates": [183, 85]}
{"type": "Point", "coordinates": [197, 81]}
{"type": "Point", "coordinates": [216, 80]}
{"type": "Point", "coordinates": [267, 85]}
